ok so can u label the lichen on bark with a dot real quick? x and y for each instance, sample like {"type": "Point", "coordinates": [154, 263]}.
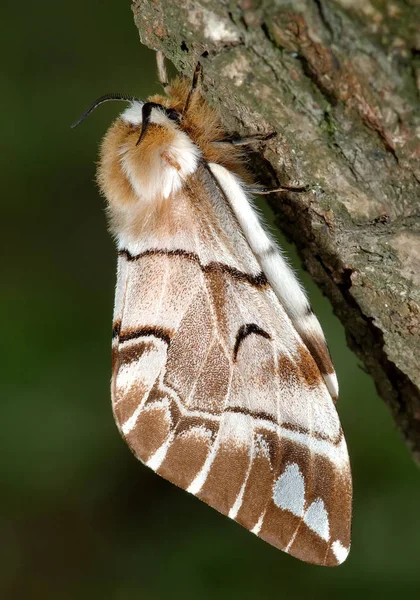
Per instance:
{"type": "Point", "coordinates": [339, 82]}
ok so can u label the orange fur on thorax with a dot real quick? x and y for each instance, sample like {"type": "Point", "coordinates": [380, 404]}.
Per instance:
{"type": "Point", "coordinates": [202, 125]}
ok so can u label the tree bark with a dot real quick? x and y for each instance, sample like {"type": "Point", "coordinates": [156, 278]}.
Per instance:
{"type": "Point", "coordinates": [339, 82]}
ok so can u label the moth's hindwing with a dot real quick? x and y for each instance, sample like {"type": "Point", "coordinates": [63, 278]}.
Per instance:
{"type": "Point", "coordinates": [214, 389]}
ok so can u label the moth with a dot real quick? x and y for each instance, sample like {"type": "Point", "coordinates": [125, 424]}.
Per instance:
{"type": "Point", "coordinates": [222, 381]}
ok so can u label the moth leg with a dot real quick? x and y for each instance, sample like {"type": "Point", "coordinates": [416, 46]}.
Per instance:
{"type": "Point", "coordinates": [258, 137]}
{"type": "Point", "coordinates": [198, 72]}
{"type": "Point", "coordinates": [161, 70]}
{"type": "Point", "coordinates": [260, 190]}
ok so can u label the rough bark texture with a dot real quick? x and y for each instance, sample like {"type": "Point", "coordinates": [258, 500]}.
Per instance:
{"type": "Point", "coordinates": [339, 81]}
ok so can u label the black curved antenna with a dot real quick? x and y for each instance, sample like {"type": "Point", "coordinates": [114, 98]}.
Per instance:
{"type": "Point", "coordinates": [99, 101]}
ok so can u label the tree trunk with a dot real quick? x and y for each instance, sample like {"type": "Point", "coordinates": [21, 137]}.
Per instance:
{"type": "Point", "coordinates": [339, 81]}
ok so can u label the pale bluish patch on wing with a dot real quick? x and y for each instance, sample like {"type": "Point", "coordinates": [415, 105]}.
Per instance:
{"type": "Point", "coordinates": [289, 490]}
{"type": "Point", "coordinates": [316, 518]}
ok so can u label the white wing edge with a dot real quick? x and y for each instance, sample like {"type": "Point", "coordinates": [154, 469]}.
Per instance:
{"type": "Point", "coordinates": [279, 274]}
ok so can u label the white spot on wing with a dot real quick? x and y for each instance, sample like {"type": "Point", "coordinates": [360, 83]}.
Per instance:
{"type": "Point", "coordinates": [289, 490]}
{"type": "Point", "coordinates": [340, 551]}
{"type": "Point", "coordinates": [197, 483]}
{"type": "Point", "coordinates": [257, 527]}
{"type": "Point", "coordinates": [316, 518]}
{"type": "Point", "coordinates": [261, 446]}
{"type": "Point", "coordinates": [131, 421]}
{"type": "Point", "coordinates": [156, 460]}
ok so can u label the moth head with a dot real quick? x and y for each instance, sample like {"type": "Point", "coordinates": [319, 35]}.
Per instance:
{"type": "Point", "coordinates": [152, 149]}
{"type": "Point", "coordinates": [145, 155]}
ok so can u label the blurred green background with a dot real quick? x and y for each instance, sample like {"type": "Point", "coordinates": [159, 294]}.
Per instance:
{"type": "Point", "coordinates": [80, 517]}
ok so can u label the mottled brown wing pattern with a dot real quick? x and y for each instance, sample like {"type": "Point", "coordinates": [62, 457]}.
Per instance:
{"type": "Point", "coordinates": [215, 391]}
{"type": "Point", "coordinates": [222, 379]}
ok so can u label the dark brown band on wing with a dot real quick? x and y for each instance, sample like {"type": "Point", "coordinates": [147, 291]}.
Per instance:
{"type": "Point", "coordinates": [158, 251]}
{"type": "Point", "coordinates": [246, 330]}
{"type": "Point", "coordinates": [319, 352]}
{"type": "Point", "coordinates": [251, 413]}
{"type": "Point", "coordinates": [263, 416]}
{"type": "Point", "coordinates": [157, 332]}
{"type": "Point", "coordinates": [132, 352]}
{"type": "Point", "coordinates": [187, 423]}
{"type": "Point", "coordinates": [314, 434]}
{"type": "Point", "coordinates": [258, 280]}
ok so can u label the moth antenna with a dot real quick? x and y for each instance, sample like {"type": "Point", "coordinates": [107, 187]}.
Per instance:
{"type": "Point", "coordinates": [198, 72]}
{"type": "Point", "coordinates": [101, 100]}
{"type": "Point", "coordinates": [146, 112]}
{"type": "Point", "coordinates": [161, 69]}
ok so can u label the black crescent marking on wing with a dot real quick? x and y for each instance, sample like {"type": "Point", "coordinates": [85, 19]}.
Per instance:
{"type": "Point", "coordinates": [246, 330]}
